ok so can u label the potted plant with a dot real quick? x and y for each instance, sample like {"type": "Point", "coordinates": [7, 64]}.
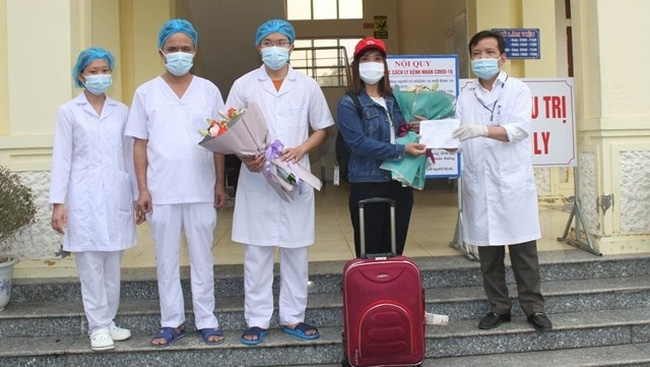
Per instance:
{"type": "Point", "coordinates": [17, 210]}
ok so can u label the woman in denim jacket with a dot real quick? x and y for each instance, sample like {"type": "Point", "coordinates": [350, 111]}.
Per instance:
{"type": "Point", "coordinates": [371, 136]}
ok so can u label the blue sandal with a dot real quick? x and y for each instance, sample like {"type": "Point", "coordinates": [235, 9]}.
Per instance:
{"type": "Point", "coordinates": [207, 333]}
{"type": "Point", "coordinates": [170, 335]}
{"type": "Point", "coordinates": [253, 331]}
{"type": "Point", "coordinates": [301, 331]}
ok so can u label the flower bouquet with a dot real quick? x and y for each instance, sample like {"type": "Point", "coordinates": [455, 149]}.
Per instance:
{"type": "Point", "coordinates": [425, 101]}
{"type": "Point", "coordinates": [228, 136]}
{"type": "Point", "coordinates": [217, 128]}
{"type": "Point", "coordinates": [245, 133]}
{"type": "Point", "coordinates": [421, 101]}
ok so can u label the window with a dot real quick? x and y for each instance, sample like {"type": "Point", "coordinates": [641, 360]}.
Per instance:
{"type": "Point", "coordinates": [325, 60]}
{"type": "Point", "coordinates": [324, 9]}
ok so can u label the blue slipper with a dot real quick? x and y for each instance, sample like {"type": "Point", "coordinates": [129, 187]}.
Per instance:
{"type": "Point", "coordinates": [301, 331]}
{"type": "Point", "coordinates": [207, 333]}
{"type": "Point", "coordinates": [253, 331]}
{"type": "Point", "coordinates": [170, 335]}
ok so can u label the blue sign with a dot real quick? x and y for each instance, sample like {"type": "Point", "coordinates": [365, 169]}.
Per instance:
{"type": "Point", "coordinates": [521, 43]}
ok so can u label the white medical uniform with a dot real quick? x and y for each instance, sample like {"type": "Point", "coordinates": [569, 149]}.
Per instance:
{"type": "Point", "coordinates": [181, 181]}
{"type": "Point", "coordinates": [498, 192]}
{"type": "Point", "coordinates": [91, 166]}
{"type": "Point", "coordinates": [261, 217]}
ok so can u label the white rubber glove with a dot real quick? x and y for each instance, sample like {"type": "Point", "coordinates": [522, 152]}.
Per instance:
{"type": "Point", "coordinates": [469, 131]}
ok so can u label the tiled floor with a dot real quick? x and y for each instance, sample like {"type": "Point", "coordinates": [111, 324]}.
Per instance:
{"type": "Point", "coordinates": [432, 228]}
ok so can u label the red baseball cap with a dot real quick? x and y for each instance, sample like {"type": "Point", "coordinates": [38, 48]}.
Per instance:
{"type": "Point", "coordinates": [368, 43]}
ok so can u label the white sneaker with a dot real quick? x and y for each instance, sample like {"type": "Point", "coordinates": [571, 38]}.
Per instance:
{"type": "Point", "coordinates": [101, 340]}
{"type": "Point", "coordinates": [117, 333]}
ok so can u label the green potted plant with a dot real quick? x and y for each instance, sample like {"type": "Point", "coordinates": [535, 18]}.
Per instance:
{"type": "Point", "coordinates": [17, 210]}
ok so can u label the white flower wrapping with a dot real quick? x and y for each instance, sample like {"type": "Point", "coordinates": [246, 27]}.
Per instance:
{"type": "Point", "coordinates": [248, 136]}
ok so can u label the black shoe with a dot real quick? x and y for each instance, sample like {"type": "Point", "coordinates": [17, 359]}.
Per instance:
{"type": "Point", "coordinates": [540, 321]}
{"type": "Point", "coordinates": [493, 319]}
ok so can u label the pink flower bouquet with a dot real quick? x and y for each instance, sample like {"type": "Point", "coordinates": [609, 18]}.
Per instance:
{"type": "Point", "coordinates": [217, 128]}
{"type": "Point", "coordinates": [245, 133]}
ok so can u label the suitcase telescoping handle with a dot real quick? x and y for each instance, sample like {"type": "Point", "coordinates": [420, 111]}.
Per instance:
{"type": "Point", "coordinates": [362, 225]}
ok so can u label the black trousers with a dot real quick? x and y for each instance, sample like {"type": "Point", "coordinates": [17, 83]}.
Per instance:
{"type": "Point", "coordinates": [377, 216]}
{"type": "Point", "coordinates": [525, 267]}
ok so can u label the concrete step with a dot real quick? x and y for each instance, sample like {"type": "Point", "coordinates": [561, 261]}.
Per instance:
{"type": "Point", "coordinates": [325, 277]}
{"type": "Point", "coordinates": [461, 339]}
{"type": "Point", "coordinates": [627, 355]}
{"type": "Point", "coordinates": [460, 303]}
{"type": "Point", "coordinates": [598, 305]}
{"type": "Point", "coordinates": [560, 296]}
{"type": "Point", "coordinates": [570, 330]}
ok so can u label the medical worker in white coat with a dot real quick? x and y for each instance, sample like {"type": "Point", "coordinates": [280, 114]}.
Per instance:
{"type": "Point", "coordinates": [91, 192]}
{"type": "Point", "coordinates": [498, 192]}
{"type": "Point", "coordinates": [177, 185]}
{"type": "Point", "coordinates": [292, 104]}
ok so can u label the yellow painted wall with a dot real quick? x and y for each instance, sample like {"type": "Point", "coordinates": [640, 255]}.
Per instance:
{"type": "Point", "coordinates": [541, 14]}
{"type": "Point", "coordinates": [623, 40]}
{"type": "Point", "coordinates": [105, 32]}
{"type": "Point", "coordinates": [586, 60]}
{"type": "Point", "coordinates": [140, 23]}
{"type": "Point", "coordinates": [38, 66]}
{"type": "Point", "coordinates": [613, 115]}
{"type": "Point", "coordinates": [498, 14]}
{"type": "Point", "coordinates": [35, 77]}
{"type": "Point", "coordinates": [35, 39]}
{"type": "Point", "coordinates": [4, 87]}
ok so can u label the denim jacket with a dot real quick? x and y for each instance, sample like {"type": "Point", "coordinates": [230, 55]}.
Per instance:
{"type": "Point", "coordinates": [369, 138]}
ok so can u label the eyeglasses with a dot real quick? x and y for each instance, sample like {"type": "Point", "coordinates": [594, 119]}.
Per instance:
{"type": "Point", "coordinates": [282, 43]}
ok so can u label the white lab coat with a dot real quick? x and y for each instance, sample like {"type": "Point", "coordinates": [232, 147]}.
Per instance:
{"type": "Point", "coordinates": [92, 165]}
{"type": "Point", "coordinates": [498, 191]}
{"type": "Point", "coordinates": [261, 217]}
{"type": "Point", "coordinates": [179, 170]}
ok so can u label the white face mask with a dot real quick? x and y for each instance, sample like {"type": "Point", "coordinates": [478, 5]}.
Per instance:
{"type": "Point", "coordinates": [98, 84]}
{"type": "Point", "coordinates": [371, 72]}
{"type": "Point", "coordinates": [485, 68]}
{"type": "Point", "coordinates": [275, 57]}
{"type": "Point", "coordinates": [179, 63]}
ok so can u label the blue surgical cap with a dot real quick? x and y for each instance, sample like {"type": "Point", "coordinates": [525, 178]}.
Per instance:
{"type": "Point", "coordinates": [275, 26]}
{"type": "Point", "coordinates": [86, 57]}
{"type": "Point", "coordinates": [175, 26]}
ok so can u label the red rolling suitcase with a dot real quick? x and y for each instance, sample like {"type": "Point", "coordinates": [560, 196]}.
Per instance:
{"type": "Point", "coordinates": [383, 306]}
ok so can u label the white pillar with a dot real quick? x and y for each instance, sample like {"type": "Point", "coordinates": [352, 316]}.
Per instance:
{"type": "Point", "coordinates": [610, 60]}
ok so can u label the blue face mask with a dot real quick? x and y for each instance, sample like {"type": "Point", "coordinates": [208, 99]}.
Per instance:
{"type": "Point", "coordinates": [179, 63]}
{"type": "Point", "coordinates": [275, 57]}
{"type": "Point", "coordinates": [98, 84]}
{"type": "Point", "coordinates": [485, 68]}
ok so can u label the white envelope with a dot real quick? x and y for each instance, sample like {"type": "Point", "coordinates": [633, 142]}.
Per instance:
{"type": "Point", "coordinates": [436, 134]}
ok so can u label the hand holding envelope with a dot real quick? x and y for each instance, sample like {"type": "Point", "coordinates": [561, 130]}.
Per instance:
{"type": "Point", "coordinates": [435, 131]}
{"type": "Point", "coordinates": [469, 131]}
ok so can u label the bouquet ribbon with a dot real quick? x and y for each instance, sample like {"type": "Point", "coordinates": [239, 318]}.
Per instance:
{"type": "Point", "coordinates": [274, 151]}
{"type": "Point", "coordinates": [403, 130]}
